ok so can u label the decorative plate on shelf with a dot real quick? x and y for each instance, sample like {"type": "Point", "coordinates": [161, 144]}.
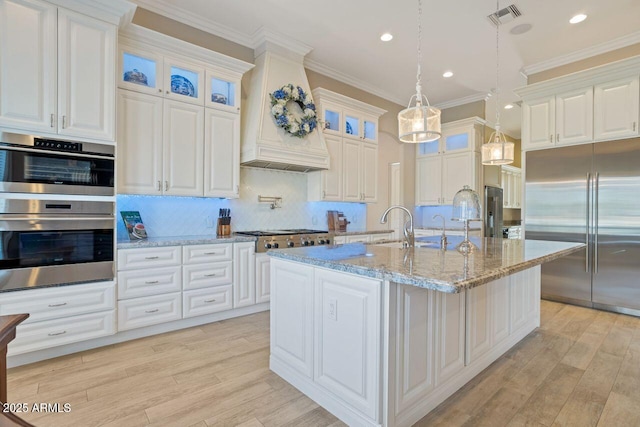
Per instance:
{"type": "Point", "coordinates": [219, 98]}
{"type": "Point", "coordinates": [349, 129]}
{"type": "Point", "coordinates": [135, 76]}
{"type": "Point", "coordinates": [182, 86]}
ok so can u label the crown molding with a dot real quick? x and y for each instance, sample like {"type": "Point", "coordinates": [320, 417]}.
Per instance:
{"type": "Point", "coordinates": [323, 94]}
{"type": "Point", "coordinates": [118, 12]}
{"type": "Point", "coordinates": [592, 76]}
{"type": "Point", "coordinates": [598, 49]}
{"type": "Point", "coordinates": [170, 11]}
{"type": "Point", "coordinates": [350, 80]}
{"type": "Point", "coordinates": [483, 96]}
{"type": "Point", "coordinates": [133, 35]}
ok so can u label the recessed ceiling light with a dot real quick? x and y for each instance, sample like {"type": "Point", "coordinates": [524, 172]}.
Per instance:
{"type": "Point", "coordinates": [578, 18]}
{"type": "Point", "coordinates": [447, 74]}
{"type": "Point", "coordinates": [520, 29]}
{"type": "Point", "coordinates": [386, 37]}
{"type": "Point", "coordinates": [508, 106]}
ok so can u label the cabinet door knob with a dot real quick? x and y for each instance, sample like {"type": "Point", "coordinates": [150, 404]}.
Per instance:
{"type": "Point", "coordinates": [160, 90]}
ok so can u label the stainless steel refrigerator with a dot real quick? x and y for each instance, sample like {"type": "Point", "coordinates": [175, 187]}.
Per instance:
{"type": "Point", "coordinates": [588, 193]}
{"type": "Point", "coordinates": [492, 211]}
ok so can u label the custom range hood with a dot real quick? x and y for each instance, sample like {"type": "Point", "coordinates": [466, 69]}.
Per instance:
{"type": "Point", "coordinates": [278, 61]}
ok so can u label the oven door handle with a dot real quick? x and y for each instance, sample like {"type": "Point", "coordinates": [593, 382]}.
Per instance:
{"type": "Point", "coordinates": [22, 223]}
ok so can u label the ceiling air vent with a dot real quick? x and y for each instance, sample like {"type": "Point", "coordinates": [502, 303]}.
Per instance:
{"type": "Point", "coordinates": [505, 15]}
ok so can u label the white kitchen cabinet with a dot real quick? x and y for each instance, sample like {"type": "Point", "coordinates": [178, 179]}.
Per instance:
{"type": "Point", "coordinates": [263, 281]}
{"type": "Point", "coordinates": [221, 154]}
{"type": "Point", "coordinates": [327, 184]}
{"type": "Point", "coordinates": [61, 315]}
{"type": "Point", "coordinates": [71, 94]}
{"type": "Point", "coordinates": [200, 125]}
{"type": "Point", "coordinates": [444, 166]}
{"type": "Point", "coordinates": [150, 310]}
{"type": "Point", "coordinates": [292, 315]}
{"type": "Point", "coordinates": [350, 128]}
{"type": "Point", "coordinates": [439, 178]}
{"type": "Point", "coordinates": [616, 109]}
{"type": "Point", "coordinates": [203, 301]}
{"type": "Point", "coordinates": [449, 335]}
{"type": "Point", "coordinates": [143, 282]}
{"type": "Point", "coordinates": [511, 183]}
{"type": "Point", "coordinates": [157, 139]}
{"type": "Point", "coordinates": [360, 177]}
{"type": "Point", "coordinates": [183, 151]}
{"type": "Point", "coordinates": [593, 105]}
{"type": "Point", "coordinates": [244, 289]}
{"type": "Point", "coordinates": [347, 339]}
{"type": "Point", "coordinates": [574, 116]}
{"type": "Point", "coordinates": [562, 119]}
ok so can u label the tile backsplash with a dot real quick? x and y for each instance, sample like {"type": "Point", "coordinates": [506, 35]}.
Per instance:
{"type": "Point", "coordinates": [166, 216]}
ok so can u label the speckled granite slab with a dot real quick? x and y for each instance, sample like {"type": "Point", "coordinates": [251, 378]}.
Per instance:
{"type": "Point", "coordinates": [182, 240]}
{"type": "Point", "coordinates": [446, 271]}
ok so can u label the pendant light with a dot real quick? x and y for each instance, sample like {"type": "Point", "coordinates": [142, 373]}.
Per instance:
{"type": "Point", "coordinates": [497, 151]}
{"type": "Point", "coordinates": [420, 123]}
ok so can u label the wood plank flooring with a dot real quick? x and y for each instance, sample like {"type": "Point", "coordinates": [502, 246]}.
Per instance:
{"type": "Point", "coordinates": [580, 368]}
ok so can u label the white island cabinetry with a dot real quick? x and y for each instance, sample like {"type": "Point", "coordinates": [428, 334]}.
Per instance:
{"type": "Point", "coordinates": [377, 352]}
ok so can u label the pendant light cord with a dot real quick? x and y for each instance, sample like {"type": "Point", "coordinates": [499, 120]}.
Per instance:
{"type": "Point", "coordinates": [497, 68]}
{"type": "Point", "coordinates": [419, 73]}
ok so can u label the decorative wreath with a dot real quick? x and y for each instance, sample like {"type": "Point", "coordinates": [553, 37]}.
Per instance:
{"type": "Point", "coordinates": [295, 125]}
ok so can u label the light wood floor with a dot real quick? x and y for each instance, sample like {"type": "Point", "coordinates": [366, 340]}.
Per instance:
{"type": "Point", "coordinates": [580, 368]}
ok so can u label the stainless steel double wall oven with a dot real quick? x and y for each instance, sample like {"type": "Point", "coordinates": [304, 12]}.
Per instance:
{"type": "Point", "coordinates": [46, 238]}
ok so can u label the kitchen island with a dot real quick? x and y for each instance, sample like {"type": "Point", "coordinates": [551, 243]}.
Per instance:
{"type": "Point", "coordinates": [381, 335]}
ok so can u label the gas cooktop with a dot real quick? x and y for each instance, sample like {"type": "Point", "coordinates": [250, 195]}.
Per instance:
{"type": "Point", "coordinates": [290, 238]}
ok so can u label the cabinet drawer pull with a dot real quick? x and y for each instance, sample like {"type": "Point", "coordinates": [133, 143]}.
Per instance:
{"type": "Point", "coordinates": [151, 282]}
{"type": "Point", "coordinates": [151, 257]}
{"type": "Point", "coordinates": [57, 333]}
{"type": "Point", "coordinates": [159, 186]}
{"type": "Point", "coordinates": [166, 186]}
{"type": "Point", "coordinates": [211, 253]}
{"type": "Point", "coordinates": [210, 275]}
{"type": "Point", "coordinates": [210, 300]}
{"type": "Point", "coordinates": [64, 122]}
{"type": "Point", "coordinates": [58, 305]}
{"type": "Point", "coordinates": [155, 310]}
{"type": "Point", "coordinates": [551, 138]}
{"type": "Point", "coordinates": [53, 120]}
{"type": "Point", "coordinates": [557, 137]}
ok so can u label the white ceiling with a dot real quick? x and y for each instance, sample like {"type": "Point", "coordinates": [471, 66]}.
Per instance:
{"type": "Point", "coordinates": [457, 36]}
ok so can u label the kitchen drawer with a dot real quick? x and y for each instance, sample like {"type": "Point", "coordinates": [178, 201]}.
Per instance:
{"type": "Point", "coordinates": [167, 256]}
{"type": "Point", "coordinates": [139, 283]}
{"type": "Point", "coordinates": [145, 311]}
{"type": "Point", "coordinates": [358, 238]}
{"type": "Point", "coordinates": [205, 275]}
{"type": "Point", "coordinates": [380, 237]}
{"type": "Point", "coordinates": [52, 333]}
{"type": "Point", "coordinates": [63, 301]}
{"type": "Point", "coordinates": [207, 300]}
{"type": "Point", "coordinates": [196, 254]}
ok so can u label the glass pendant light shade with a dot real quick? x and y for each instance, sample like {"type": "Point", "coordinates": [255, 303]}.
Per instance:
{"type": "Point", "coordinates": [498, 151]}
{"type": "Point", "coordinates": [466, 205]}
{"type": "Point", "coordinates": [419, 124]}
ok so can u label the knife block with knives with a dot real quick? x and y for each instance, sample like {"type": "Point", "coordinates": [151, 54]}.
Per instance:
{"type": "Point", "coordinates": [224, 223]}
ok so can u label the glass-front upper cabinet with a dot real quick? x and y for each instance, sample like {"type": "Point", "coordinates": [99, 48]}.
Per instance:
{"type": "Point", "coordinates": [429, 148]}
{"type": "Point", "coordinates": [222, 91]}
{"type": "Point", "coordinates": [456, 141]}
{"type": "Point", "coordinates": [332, 116]}
{"type": "Point", "coordinates": [140, 71]}
{"type": "Point", "coordinates": [183, 81]}
{"type": "Point", "coordinates": [370, 131]}
{"type": "Point", "coordinates": [351, 125]}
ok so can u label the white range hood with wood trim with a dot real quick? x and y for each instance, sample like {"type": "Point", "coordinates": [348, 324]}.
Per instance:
{"type": "Point", "coordinates": [278, 61]}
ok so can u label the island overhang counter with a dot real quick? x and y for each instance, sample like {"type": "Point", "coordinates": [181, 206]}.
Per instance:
{"type": "Point", "coordinates": [380, 336]}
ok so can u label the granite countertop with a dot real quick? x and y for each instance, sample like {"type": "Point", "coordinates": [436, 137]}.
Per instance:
{"type": "Point", "coordinates": [430, 268]}
{"type": "Point", "coordinates": [182, 240]}
{"type": "Point", "coordinates": [357, 233]}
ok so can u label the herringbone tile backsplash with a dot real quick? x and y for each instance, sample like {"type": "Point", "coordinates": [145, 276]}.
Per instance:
{"type": "Point", "coordinates": [188, 216]}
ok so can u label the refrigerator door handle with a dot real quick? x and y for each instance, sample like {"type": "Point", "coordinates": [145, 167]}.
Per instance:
{"type": "Point", "coordinates": [586, 234]}
{"type": "Point", "coordinates": [595, 222]}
